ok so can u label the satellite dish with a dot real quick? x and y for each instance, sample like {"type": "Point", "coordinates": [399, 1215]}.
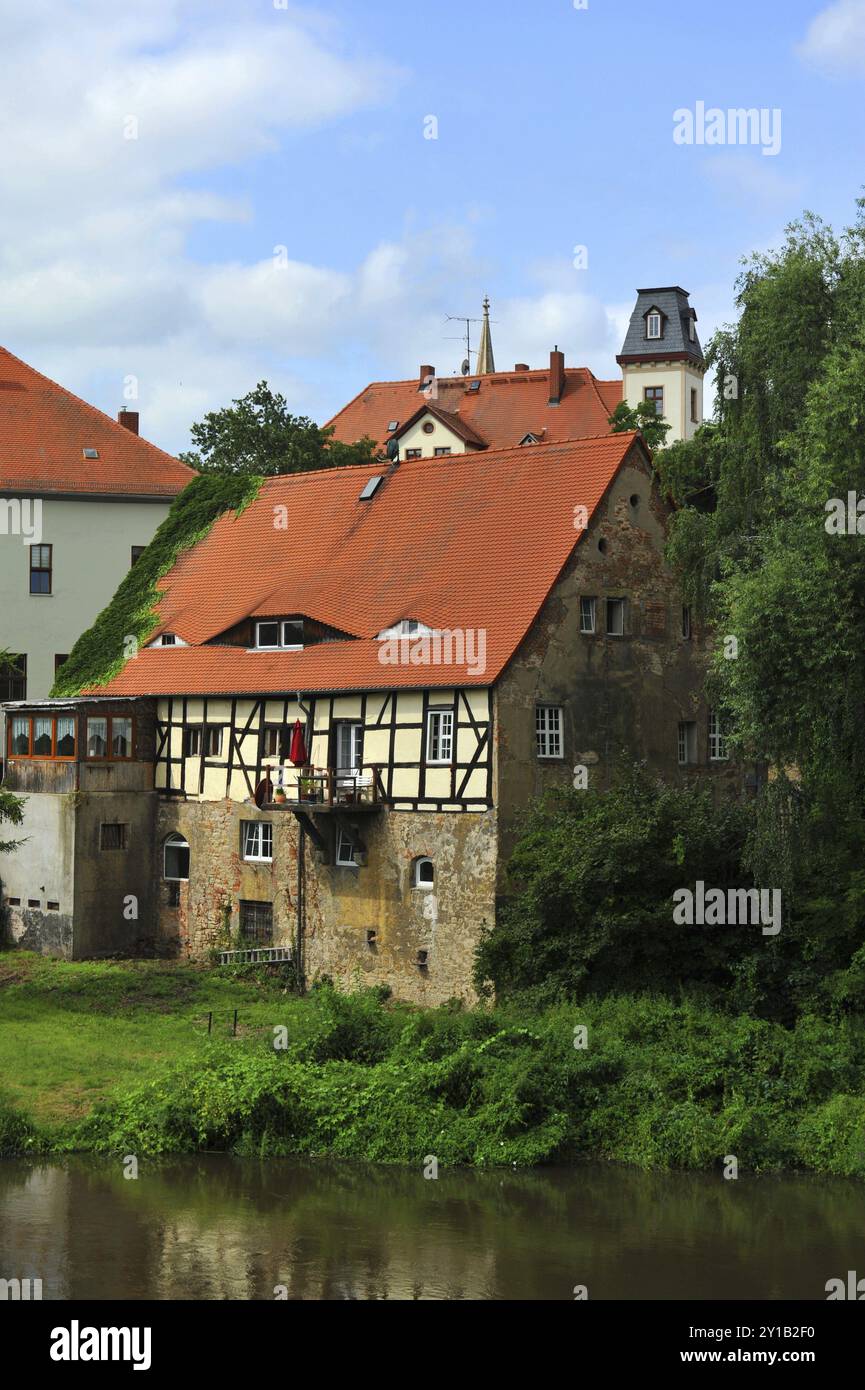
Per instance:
{"type": "Point", "coordinates": [393, 449]}
{"type": "Point", "coordinates": [466, 366]}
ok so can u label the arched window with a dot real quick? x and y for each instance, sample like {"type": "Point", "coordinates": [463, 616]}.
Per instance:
{"type": "Point", "coordinates": [175, 858]}
{"type": "Point", "coordinates": [423, 873]}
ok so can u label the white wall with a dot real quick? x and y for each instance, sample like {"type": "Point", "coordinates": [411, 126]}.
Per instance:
{"type": "Point", "coordinates": [677, 379]}
{"type": "Point", "coordinates": [92, 542]}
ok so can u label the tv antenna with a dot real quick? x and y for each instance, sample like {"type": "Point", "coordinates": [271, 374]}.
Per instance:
{"type": "Point", "coordinates": [466, 338]}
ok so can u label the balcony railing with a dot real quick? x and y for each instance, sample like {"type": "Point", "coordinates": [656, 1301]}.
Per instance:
{"type": "Point", "coordinates": [329, 788]}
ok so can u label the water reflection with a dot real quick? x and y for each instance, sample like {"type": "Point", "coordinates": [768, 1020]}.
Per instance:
{"type": "Point", "coordinates": [216, 1228]}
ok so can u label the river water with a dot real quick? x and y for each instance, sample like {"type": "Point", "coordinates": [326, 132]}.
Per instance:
{"type": "Point", "coordinates": [212, 1227]}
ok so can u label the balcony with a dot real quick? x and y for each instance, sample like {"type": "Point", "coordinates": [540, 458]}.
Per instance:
{"type": "Point", "coordinates": [328, 790]}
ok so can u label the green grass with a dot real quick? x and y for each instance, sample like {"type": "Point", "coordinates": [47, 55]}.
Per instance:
{"type": "Point", "coordinates": [71, 1033]}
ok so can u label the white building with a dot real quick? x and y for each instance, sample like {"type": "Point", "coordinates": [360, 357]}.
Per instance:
{"type": "Point", "coordinates": [80, 496]}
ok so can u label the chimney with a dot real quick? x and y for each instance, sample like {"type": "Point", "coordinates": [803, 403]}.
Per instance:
{"type": "Point", "coordinates": [521, 367]}
{"type": "Point", "coordinates": [128, 419]}
{"type": "Point", "coordinates": [426, 372]}
{"type": "Point", "coordinates": [557, 375]}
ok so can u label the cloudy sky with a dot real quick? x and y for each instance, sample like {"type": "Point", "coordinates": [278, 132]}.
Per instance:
{"type": "Point", "coordinates": [202, 193]}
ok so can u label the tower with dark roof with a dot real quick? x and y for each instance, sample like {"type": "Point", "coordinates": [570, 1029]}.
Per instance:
{"type": "Point", "coordinates": [662, 360]}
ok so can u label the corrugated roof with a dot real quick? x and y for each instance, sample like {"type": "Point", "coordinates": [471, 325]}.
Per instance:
{"type": "Point", "coordinates": [473, 542]}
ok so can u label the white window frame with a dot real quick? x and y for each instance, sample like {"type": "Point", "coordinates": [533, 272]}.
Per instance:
{"type": "Point", "coordinates": [416, 881]}
{"type": "Point", "coordinates": [687, 742]}
{"type": "Point", "coordinates": [287, 627]}
{"type": "Point", "coordinates": [440, 735]}
{"type": "Point", "coordinates": [267, 646]}
{"type": "Point", "coordinates": [548, 731]}
{"type": "Point", "coordinates": [718, 750]}
{"type": "Point", "coordinates": [343, 842]}
{"type": "Point", "coordinates": [654, 320]}
{"type": "Point", "coordinates": [620, 609]}
{"type": "Point", "coordinates": [353, 731]}
{"type": "Point", "coordinates": [174, 841]}
{"type": "Point", "coordinates": [257, 842]}
{"type": "Point", "coordinates": [591, 612]}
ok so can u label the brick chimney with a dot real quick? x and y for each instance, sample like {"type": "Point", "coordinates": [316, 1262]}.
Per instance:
{"type": "Point", "coordinates": [557, 375]}
{"type": "Point", "coordinates": [521, 367]}
{"type": "Point", "coordinates": [128, 419]}
{"type": "Point", "coordinates": [426, 372]}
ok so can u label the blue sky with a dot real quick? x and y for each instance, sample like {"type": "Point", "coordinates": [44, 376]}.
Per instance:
{"type": "Point", "coordinates": [278, 212]}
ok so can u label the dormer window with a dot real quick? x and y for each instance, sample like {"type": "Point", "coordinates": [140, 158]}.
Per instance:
{"type": "Point", "coordinates": [530, 439]}
{"type": "Point", "coordinates": [692, 330]}
{"type": "Point", "coordinates": [653, 324]}
{"type": "Point", "coordinates": [279, 634]}
{"type": "Point", "coordinates": [168, 639]}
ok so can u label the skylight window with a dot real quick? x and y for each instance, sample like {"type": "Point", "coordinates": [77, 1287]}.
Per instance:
{"type": "Point", "coordinates": [371, 488]}
{"type": "Point", "coordinates": [475, 386]}
{"type": "Point", "coordinates": [91, 453]}
{"type": "Point", "coordinates": [392, 425]}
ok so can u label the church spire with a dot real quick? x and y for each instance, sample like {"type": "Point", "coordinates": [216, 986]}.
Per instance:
{"type": "Point", "coordinates": [485, 362]}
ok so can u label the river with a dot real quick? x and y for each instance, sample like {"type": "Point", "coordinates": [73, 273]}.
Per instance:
{"type": "Point", "coordinates": [212, 1227]}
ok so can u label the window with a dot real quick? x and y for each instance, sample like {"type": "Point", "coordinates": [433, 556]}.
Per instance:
{"type": "Point", "coordinates": [692, 329]}
{"type": "Point", "coordinates": [192, 741]}
{"type": "Point", "coordinates": [97, 738]}
{"type": "Point", "coordinates": [441, 453]}
{"type": "Point", "coordinates": [137, 552]}
{"type": "Point", "coordinates": [90, 453]}
{"type": "Point", "coordinates": [65, 746]}
{"type": "Point", "coordinates": [548, 731]}
{"type": "Point", "coordinates": [175, 859]}
{"type": "Point", "coordinates": [615, 617]}
{"type": "Point", "coordinates": [20, 738]}
{"type": "Point", "coordinates": [110, 737]}
{"type": "Point", "coordinates": [440, 735]}
{"type": "Point", "coordinates": [292, 633]}
{"type": "Point", "coordinates": [428, 427]}
{"type": "Point", "coordinates": [40, 569]}
{"type": "Point", "coordinates": [121, 738]}
{"type": "Point", "coordinates": [212, 740]}
{"type": "Point", "coordinates": [344, 850]}
{"type": "Point", "coordinates": [53, 906]}
{"type": "Point", "coordinates": [687, 742]}
{"type": "Point", "coordinates": [654, 395]}
{"type": "Point", "coordinates": [423, 873]}
{"type": "Point", "coordinates": [588, 609]}
{"type": "Point", "coordinates": [686, 621]}
{"type": "Point", "coordinates": [414, 453]}
{"type": "Point", "coordinates": [256, 839]}
{"type": "Point", "coordinates": [695, 416]}
{"type": "Point", "coordinates": [653, 324]}
{"type": "Point", "coordinates": [272, 635]}
{"type": "Point", "coordinates": [271, 741]}
{"type": "Point", "coordinates": [256, 922]}
{"type": "Point", "coordinates": [167, 639]}
{"type": "Point", "coordinates": [113, 835]}
{"type": "Point", "coordinates": [42, 737]}
{"type": "Point", "coordinates": [349, 747]}
{"type": "Point", "coordinates": [59, 659]}
{"type": "Point", "coordinates": [13, 678]}
{"type": "Point", "coordinates": [717, 739]}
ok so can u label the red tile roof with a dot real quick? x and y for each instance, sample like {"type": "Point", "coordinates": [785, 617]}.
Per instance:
{"type": "Point", "coordinates": [44, 431]}
{"type": "Point", "coordinates": [472, 542]}
{"type": "Point", "coordinates": [507, 406]}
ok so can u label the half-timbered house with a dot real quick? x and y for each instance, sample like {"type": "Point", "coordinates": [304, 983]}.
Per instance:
{"type": "Point", "coordinates": [351, 690]}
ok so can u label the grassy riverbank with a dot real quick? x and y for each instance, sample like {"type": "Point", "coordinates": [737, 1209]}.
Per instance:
{"type": "Point", "coordinates": [115, 1058]}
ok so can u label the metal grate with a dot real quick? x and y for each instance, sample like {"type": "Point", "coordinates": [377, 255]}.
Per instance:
{"type": "Point", "coordinates": [256, 922]}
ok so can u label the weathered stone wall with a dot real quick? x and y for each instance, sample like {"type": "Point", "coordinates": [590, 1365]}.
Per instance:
{"type": "Point", "coordinates": [41, 869]}
{"type": "Point", "coordinates": [343, 904]}
{"type": "Point", "coordinates": [621, 697]}
{"type": "Point", "coordinates": [114, 889]}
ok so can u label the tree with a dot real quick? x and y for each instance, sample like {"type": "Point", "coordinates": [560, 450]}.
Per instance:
{"type": "Point", "coordinates": [257, 434]}
{"type": "Point", "coordinates": [643, 417]}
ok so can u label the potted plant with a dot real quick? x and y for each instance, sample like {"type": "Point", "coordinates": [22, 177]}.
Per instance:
{"type": "Point", "coordinates": [307, 787]}
{"type": "Point", "coordinates": [279, 795]}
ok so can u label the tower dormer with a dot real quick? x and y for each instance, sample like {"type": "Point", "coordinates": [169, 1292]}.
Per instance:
{"type": "Point", "coordinates": [662, 361]}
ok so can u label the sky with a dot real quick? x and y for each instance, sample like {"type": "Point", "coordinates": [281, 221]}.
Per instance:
{"type": "Point", "coordinates": [196, 195]}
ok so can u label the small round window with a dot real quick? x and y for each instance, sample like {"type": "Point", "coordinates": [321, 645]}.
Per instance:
{"type": "Point", "coordinates": [428, 427]}
{"type": "Point", "coordinates": [423, 875]}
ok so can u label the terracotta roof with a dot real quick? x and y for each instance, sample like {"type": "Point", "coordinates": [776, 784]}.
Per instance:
{"type": "Point", "coordinates": [507, 406]}
{"type": "Point", "coordinates": [44, 431]}
{"type": "Point", "coordinates": [473, 542]}
{"type": "Point", "coordinates": [461, 428]}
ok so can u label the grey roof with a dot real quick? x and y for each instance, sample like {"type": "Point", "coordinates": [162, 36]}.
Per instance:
{"type": "Point", "coordinates": [673, 304]}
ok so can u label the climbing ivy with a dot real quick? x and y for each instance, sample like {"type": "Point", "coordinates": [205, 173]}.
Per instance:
{"type": "Point", "coordinates": [100, 652]}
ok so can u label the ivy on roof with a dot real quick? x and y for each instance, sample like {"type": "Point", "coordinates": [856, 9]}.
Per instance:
{"type": "Point", "coordinates": [101, 652]}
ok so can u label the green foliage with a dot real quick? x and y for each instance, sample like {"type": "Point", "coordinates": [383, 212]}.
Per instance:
{"type": "Point", "coordinates": [257, 435]}
{"type": "Point", "coordinates": [594, 873]}
{"type": "Point", "coordinates": [101, 651]}
{"type": "Point", "coordinates": [18, 1134]}
{"type": "Point", "coordinates": [643, 417]}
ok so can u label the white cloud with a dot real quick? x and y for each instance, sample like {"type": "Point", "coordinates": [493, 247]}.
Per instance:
{"type": "Point", "coordinates": [835, 41]}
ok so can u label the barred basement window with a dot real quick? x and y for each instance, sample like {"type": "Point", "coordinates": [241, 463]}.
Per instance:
{"type": "Point", "coordinates": [113, 835]}
{"type": "Point", "coordinates": [53, 907]}
{"type": "Point", "coordinates": [548, 731]}
{"type": "Point", "coordinates": [256, 922]}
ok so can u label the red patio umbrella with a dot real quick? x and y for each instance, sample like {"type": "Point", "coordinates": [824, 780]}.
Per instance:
{"type": "Point", "coordinates": [297, 752]}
